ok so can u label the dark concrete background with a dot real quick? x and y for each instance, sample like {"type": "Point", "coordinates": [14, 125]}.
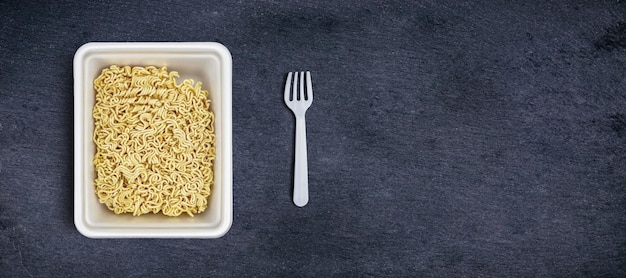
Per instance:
{"type": "Point", "coordinates": [446, 138]}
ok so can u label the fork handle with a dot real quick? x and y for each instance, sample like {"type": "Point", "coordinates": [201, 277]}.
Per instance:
{"type": "Point", "coordinates": [301, 172]}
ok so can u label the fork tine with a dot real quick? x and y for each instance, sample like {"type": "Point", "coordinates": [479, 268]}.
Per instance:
{"type": "Point", "coordinates": [287, 87]}
{"type": "Point", "coordinates": [301, 94]}
{"type": "Point", "coordinates": [295, 86]}
{"type": "Point", "coordinates": [309, 87]}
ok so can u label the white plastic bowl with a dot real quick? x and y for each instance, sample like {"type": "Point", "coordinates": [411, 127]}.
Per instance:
{"type": "Point", "coordinates": [209, 63]}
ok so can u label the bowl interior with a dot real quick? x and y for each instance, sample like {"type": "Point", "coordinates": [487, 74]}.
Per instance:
{"type": "Point", "coordinates": [202, 66]}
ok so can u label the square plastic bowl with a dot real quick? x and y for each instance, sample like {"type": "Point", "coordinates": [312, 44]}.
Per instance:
{"type": "Point", "coordinates": [207, 62]}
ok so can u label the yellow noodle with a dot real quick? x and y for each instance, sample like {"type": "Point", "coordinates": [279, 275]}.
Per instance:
{"type": "Point", "coordinates": [155, 142]}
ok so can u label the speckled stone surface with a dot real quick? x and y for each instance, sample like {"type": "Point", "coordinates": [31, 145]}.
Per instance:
{"type": "Point", "coordinates": [446, 138]}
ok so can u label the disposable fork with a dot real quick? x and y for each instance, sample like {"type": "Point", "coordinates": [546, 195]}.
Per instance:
{"type": "Point", "coordinates": [299, 102]}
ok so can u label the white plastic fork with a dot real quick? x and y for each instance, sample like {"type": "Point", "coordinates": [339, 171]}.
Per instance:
{"type": "Point", "coordinates": [299, 102]}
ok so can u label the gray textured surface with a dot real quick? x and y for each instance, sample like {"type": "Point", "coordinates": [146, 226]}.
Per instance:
{"type": "Point", "coordinates": [446, 138]}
